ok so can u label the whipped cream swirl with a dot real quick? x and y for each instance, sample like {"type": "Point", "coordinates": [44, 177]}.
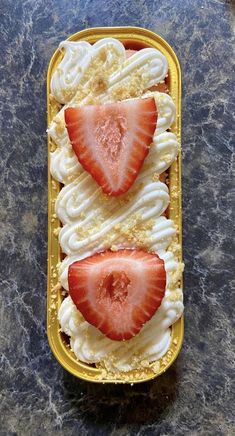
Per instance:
{"type": "Point", "coordinates": [101, 70]}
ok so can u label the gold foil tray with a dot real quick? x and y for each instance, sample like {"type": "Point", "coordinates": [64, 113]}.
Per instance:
{"type": "Point", "coordinates": [135, 38]}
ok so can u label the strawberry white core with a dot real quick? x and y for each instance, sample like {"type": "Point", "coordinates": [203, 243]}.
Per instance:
{"type": "Point", "coordinates": [114, 286]}
{"type": "Point", "coordinates": [109, 134]}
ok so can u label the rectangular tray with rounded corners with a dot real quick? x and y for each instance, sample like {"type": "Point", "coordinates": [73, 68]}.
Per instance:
{"type": "Point", "coordinates": [135, 38]}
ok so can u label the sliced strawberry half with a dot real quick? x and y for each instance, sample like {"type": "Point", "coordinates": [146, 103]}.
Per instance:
{"type": "Point", "coordinates": [118, 292]}
{"type": "Point", "coordinates": [112, 140]}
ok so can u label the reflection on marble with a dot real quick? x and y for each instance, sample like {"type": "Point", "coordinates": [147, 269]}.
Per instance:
{"type": "Point", "coordinates": [195, 396]}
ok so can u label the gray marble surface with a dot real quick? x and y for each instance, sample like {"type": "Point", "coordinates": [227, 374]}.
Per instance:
{"type": "Point", "coordinates": [195, 397]}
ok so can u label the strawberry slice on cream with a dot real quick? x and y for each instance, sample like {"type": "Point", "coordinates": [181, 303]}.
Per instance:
{"type": "Point", "coordinates": [112, 140]}
{"type": "Point", "coordinates": [118, 292]}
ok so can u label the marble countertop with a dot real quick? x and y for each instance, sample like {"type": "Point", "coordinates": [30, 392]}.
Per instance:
{"type": "Point", "coordinates": [195, 396]}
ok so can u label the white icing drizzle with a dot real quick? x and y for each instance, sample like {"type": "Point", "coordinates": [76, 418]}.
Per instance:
{"type": "Point", "coordinates": [160, 238]}
{"type": "Point", "coordinates": [148, 62]}
{"type": "Point", "coordinates": [64, 165]}
{"type": "Point", "coordinates": [107, 55]}
{"type": "Point", "coordinates": [150, 202]}
{"type": "Point", "coordinates": [72, 70]}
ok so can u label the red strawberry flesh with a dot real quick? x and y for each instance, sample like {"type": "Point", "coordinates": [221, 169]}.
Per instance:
{"type": "Point", "coordinates": [112, 140]}
{"type": "Point", "coordinates": [160, 87]}
{"type": "Point", "coordinates": [118, 292]}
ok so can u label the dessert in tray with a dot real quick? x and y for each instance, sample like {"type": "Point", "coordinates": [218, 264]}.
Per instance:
{"type": "Point", "coordinates": [119, 269]}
